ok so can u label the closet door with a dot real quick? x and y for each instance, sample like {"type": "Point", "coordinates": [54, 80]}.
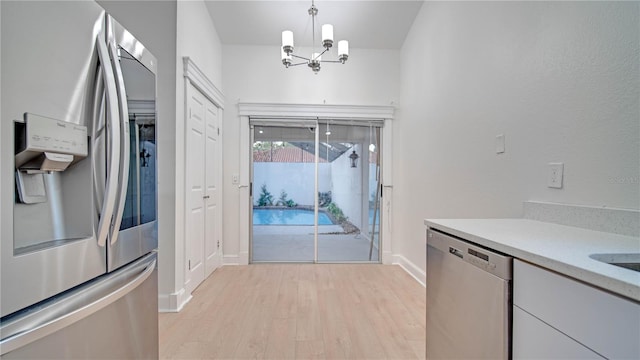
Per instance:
{"type": "Point", "coordinates": [195, 185]}
{"type": "Point", "coordinates": [212, 165]}
{"type": "Point", "coordinates": [203, 167]}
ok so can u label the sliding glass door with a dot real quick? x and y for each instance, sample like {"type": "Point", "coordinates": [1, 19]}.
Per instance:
{"type": "Point", "coordinates": [316, 191]}
{"type": "Point", "coordinates": [350, 199]}
{"type": "Point", "coordinates": [283, 193]}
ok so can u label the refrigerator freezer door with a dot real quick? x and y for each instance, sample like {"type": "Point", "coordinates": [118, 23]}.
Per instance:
{"type": "Point", "coordinates": [112, 317]}
{"type": "Point", "coordinates": [50, 68]}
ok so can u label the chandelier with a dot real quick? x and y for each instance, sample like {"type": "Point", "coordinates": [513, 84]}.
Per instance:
{"type": "Point", "coordinates": [314, 61]}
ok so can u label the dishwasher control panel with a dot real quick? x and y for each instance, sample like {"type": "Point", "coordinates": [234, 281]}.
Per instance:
{"type": "Point", "coordinates": [488, 260]}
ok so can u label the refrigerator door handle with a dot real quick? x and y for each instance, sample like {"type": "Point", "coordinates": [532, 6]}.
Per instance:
{"type": "Point", "coordinates": [123, 179]}
{"type": "Point", "coordinates": [114, 141]}
{"type": "Point", "coordinates": [74, 307]}
{"type": "Point", "coordinates": [97, 129]}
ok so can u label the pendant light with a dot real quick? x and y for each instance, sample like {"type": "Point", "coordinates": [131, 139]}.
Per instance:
{"type": "Point", "coordinates": [287, 48]}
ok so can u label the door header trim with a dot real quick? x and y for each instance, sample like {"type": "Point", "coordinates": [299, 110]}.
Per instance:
{"type": "Point", "coordinates": [315, 111]}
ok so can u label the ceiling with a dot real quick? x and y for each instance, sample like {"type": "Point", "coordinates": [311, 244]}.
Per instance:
{"type": "Point", "coordinates": [371, 24]}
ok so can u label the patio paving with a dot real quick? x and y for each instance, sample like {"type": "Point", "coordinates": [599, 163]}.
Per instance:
{"type": "Point", "coordinates": [295, 243]}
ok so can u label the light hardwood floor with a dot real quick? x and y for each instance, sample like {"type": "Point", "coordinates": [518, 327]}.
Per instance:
{"type": "Point", "coordinates": [300, 311]}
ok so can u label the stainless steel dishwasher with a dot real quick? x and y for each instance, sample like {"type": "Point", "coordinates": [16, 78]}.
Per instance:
{"type": "Point", "coordinates": [468, 300]}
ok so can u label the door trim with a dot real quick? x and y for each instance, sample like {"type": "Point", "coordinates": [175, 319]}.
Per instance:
{"type": "Point", "coordinates": [193, 74]}
{"type": "Point", "coordinates": [358, 114]}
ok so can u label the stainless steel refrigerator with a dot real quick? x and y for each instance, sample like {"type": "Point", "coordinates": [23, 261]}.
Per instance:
{"type": "Point", "coordinates": [78, 185]}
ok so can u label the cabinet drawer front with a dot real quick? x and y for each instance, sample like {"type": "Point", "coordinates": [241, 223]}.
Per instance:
{"type": "Point", "coordinates": [533, 339]}
{"type": "Point", "coordinates": [606, 323]}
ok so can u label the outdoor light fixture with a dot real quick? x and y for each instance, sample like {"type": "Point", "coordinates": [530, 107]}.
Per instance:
{"type": "Point", "coordinates": [286, 51]}
{"type": "Point", "coordinates": [354, 158]}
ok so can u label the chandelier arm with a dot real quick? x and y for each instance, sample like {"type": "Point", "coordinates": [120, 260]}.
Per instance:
{"type": "Point", "coordinates": [331, 61]}
{"type": "Point", "coordinates": [322, 53]}
{"type": "Point", "coordinates": [302, 63]}
{"type": "Point", "coordinates": [299, 57]}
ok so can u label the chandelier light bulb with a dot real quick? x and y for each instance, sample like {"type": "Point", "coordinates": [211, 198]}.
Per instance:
{"type": "Point", "coordinates": [343, 51]}
{"type": "Point", "coordinates": [327, 35]}
{"type": "Point", "coordinates": [287, 41]}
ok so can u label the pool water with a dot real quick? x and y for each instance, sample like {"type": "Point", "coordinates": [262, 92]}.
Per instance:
{"type": "Point", "coordinates": [288, 217]}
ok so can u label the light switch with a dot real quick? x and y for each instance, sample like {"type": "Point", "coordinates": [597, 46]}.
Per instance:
{"type": "Point", "coordinates": [499, 143]}
{"type": "Point", "coordinates": [554, 179]}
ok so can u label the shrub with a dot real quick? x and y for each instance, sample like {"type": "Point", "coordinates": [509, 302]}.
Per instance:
{"type": "Point", "coordinates": [336, 212]}
{"type": "Point", "coordinates": [324, 198]}
{"type": "Point", "coordinates": [284, 201]}
{"type": "Point", "coordinates": [266, 199]}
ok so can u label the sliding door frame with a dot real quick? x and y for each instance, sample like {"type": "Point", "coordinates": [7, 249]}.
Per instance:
{"type": "Point", "coordinates": [358, 115]}
{"type": "Point", "coordinates": [289, 123]}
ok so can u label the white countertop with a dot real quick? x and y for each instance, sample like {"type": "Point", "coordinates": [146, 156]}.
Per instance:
{"type": "Point", "coordinates": [560, 248]}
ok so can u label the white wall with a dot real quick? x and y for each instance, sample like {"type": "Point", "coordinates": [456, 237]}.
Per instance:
{"type": "Point", "coordinates": [347, 185]}
{"type": "Point", "coordinates": [256, 74]}
{"type": "Point", "coordinates": [296, 179]}
{"type": "Point", "coordinates": [196, 38]}
{"type": "Point", "coordinates": [154, 24]}
{"type": "Point", "coordinates": [559, 79]}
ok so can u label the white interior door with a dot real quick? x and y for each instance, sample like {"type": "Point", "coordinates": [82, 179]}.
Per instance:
{"type": "Point", "coordinates": [195, 181]}
{"type": "Point", "coordinates": [203, 168]}
{"type": "Point", "coordinates": [212, 245]}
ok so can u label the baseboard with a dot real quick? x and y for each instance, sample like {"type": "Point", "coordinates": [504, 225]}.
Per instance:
{"type": "Point", "coordinates": [173, 302]}
{"type": "Point", "coordinates": [411, 268]}
{"type": "Point", "coordinates": [230, 260]}
{"type": "Point", "coordinates": [241, 259]}
{"type": "Point", "coordinates": [244, 258]}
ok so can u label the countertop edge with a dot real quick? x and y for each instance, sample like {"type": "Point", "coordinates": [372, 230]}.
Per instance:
{"type": "Point", "coordinates": [630, 291]}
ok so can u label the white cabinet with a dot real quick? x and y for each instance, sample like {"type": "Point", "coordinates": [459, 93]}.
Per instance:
{"type": "Point", "coordinates": [555, 316]}
{"type": "Point", "coordinates": [537, 340]}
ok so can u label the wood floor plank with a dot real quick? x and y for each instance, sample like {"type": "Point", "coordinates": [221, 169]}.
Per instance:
{"type": "Point", "coordinates": [281, 343]}
{"type": "Point", "coordinates": [253, 342]}
{"type": "Point", "coordinates": [310, 349]}
{"type": "Point", "coordinates": [335, 333]}
{"type": "Point", "coordinates": [299, 311]}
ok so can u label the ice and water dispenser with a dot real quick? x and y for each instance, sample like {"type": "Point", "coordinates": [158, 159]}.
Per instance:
{"type": "Point", "coordinates": [53, 200]}
{"type": "Point", "coordinates": [44, 145]}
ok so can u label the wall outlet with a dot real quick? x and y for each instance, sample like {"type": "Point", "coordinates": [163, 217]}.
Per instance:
{"type": "Point", "coordinates": [556, 171]}
{"type": "Point", "coordinates": [235, 179]}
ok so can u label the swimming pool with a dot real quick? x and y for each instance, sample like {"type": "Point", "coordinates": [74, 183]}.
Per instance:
{"type": "Point", "coordinates": [288, 217]}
